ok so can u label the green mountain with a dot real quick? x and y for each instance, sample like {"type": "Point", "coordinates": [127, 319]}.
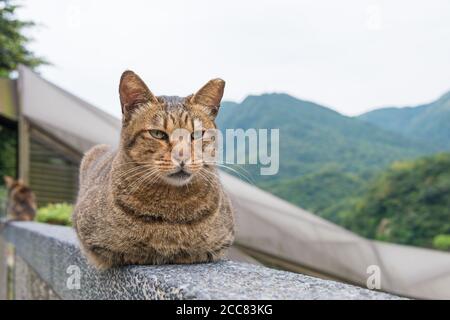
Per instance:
{"type": "Point", "coordinates": [409, 204]}
{"type": "Point", "coordinates": [429, 123]}
{"type": "Point", "coordinates": [313, 137]}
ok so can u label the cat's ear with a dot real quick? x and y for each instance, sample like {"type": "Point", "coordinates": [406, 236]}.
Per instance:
{"type": "Point", "coordinates": [9, 181]}
{"type": "Point", "coordinates": [133, 92]}
{"type": "Point", "coordinates": [210, 96]}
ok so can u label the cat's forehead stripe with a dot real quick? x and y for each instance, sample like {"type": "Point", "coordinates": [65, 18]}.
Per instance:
{"type": "Point", "coordinates": [178, 119]}
{"type": "Point", "coordinates": [198, 124]}
{"type": "Point", "coordinates": [158, 120]}
{"type": "Point", "coordinates": [174, 113]}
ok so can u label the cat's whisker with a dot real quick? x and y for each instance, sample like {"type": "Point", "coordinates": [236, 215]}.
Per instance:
{"type": "Point", "coordinates": [208, 180]}
{"type": "Point", "coordinates": [164, 162]}
{"type": "Point", "coordinates": [135, 168]}
{"type": "Point", "coordinates": [132, 178]}
{"type": "Point", "coordinates": [205, 179]}
{"type": "Point", "coordinates": [137, 183]}
{"type": "Point", "coordinates": [149, 181]}
{"type": "Point", "coordinates": [248, 179]}
{"type": "Point", "coordinates": [136, 163]}
{"type": "Point", "coordinates": [152, 178]}
{"type": "Point", "coordinates": [141, 171]}
{"type": "Point", "coordinates": [144, 179]}
{"type": "Point", "coordinates": [243, 169]}
{"type": "Point", "coordinates": [129, 176]}
{"type": "Point", "coordinates": [209, 177]}
{"type": "Point", "coordinates": [245, 172]}
{"type": "Point", "coordinates": [126, 172]}
{"type": "Point", "coordinates": [132, 172]}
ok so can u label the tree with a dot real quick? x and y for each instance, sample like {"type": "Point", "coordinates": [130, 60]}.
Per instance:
{"type": "Point", "coordinates": [408, 203]}
{"type": "Point", "coordinates": [13, 42]}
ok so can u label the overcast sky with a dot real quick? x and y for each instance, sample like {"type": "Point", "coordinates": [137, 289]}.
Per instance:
{"type": "Point", "coordinates": [350, 55]}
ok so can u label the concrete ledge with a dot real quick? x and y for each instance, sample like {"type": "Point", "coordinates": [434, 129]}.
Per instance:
{"type": "Point", "coordinates": [51, 251]}
{"type": "Point", "coordinates": [3, 269]}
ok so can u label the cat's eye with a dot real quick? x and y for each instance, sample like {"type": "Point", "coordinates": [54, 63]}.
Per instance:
{"type": "Point", "coordinates": [198, 134]}
{"type": "Point", "coordinates": [158, 134]}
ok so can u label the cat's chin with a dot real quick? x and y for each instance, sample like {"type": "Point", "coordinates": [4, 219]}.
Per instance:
{"type": "Point", "coordinates": [178, 179]}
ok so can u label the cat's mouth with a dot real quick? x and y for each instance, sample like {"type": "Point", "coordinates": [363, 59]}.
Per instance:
{"type": "Point", "coordinates": [179, 178]}
{"type": "Point", "coordinates": [182, 175]}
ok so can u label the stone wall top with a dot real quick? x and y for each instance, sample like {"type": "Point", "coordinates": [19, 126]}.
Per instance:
{"type": "Point", "coordinates": [53, 253]}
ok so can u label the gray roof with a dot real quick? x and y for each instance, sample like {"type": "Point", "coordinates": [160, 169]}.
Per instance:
{"type": "Point", "coordinates": [264, 222]}
{"type": "Point", "coordinates": [69, 118]}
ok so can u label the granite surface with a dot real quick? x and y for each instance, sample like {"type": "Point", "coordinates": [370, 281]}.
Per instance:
{"type": "Point", "coordinates": [53, 253]}
{"type": "Point", "coordinates": [28, 285]}
{"type": "Point", "coordinates": [3, 269]}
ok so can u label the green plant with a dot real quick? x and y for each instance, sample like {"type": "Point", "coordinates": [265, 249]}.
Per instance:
{"type": "Point", "coordinates": [58, 213]}
{"type": "Point", "coordinates": [442, 242]}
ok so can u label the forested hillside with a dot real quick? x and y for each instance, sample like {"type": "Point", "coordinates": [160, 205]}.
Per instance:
{"type": "Point", "coordinates": [409, 204]}
{"type": "Point", "coordinates": [341, 167]}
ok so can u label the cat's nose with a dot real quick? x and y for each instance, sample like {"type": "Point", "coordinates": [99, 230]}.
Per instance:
{"type": "Point", "coordinates": [180, 157]}
{"type": "Point", "coordinates": [179, 161]}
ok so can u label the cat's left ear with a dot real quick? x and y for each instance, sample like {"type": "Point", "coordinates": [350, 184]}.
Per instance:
{"type": "Point", "coordinates": [133, 92]}
{"type": "Point", "coordinates": [210, 96]}
{"type": "Point", "coordinates": [9, 181]}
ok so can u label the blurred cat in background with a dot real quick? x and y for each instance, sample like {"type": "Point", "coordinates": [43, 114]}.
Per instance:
{"type": "Point", "coordinates": [21, 202]}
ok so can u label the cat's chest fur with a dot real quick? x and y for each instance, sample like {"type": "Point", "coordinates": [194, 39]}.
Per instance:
{"type": "Point", "coordinates": [170, 224]}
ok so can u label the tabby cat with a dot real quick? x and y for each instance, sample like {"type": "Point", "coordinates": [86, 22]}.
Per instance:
{"type": "Point", "coordinates": [21, 203]}
{"type": "Point", "coordinates": [144, 203]}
